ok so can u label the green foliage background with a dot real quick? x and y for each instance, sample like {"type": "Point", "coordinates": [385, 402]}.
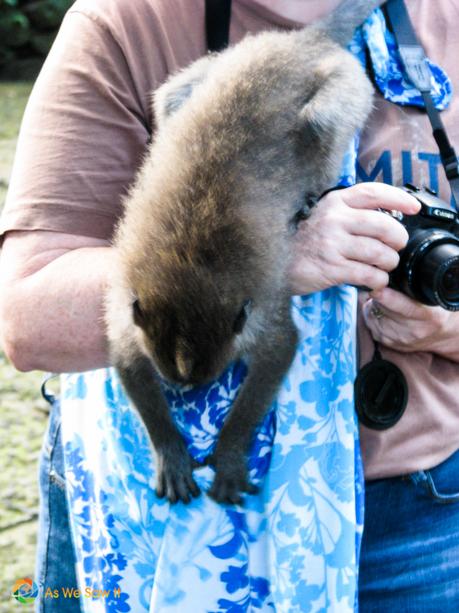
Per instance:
{"type": "Point", "coordinates": [27, 30]}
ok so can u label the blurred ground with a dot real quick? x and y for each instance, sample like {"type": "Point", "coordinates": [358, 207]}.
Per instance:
{"type": "Point", "coordinates": [22, 411]}
{"type": "Point", "coordinates": [13, 98]}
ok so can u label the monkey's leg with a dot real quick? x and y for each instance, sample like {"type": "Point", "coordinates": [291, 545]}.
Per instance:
{"type": "Point", "coordinates": [267, 368]}
{"type": "Point", "coordinates": [174, 464]}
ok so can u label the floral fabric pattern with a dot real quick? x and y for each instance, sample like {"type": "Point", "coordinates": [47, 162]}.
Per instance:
{"type": "Point", "coordinates": [387, 67]}
{"type": "Point", "coordinates": [291, 548]}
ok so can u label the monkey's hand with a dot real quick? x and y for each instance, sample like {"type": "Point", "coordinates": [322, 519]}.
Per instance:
{"type": "Point", "coordinates": [231, 478]}
{"type": "Point", "coordinates": [174, 464]}
{"type": "Point", "coordinates": [175, 471]}
{"type": "Point", "coordinates": [270, 360]}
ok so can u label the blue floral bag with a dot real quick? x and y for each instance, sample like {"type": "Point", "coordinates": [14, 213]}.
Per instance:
{"type": "Point", "coordinates": [293, 543]}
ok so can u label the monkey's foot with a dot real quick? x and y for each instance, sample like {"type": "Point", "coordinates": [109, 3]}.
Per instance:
{"type": "Point", "coordinates": [229, 482]}
{"type": "Point", "coordinates": [175, 475]}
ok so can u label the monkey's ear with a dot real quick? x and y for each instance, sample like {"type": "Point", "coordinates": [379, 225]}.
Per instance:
{"type": "Point", "coordinates": [168, 98]}
{"type": "Point", "coordinates": [338, 104]}
{"type": "Point", "coordinates": [321, 117]}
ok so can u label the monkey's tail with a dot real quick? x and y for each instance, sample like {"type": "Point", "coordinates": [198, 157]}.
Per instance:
{"type": "Point", "coordinates": [342, 22]}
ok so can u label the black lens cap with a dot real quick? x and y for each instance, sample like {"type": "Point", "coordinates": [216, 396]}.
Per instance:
{"type": "Point", "coordinates": [381, 394]}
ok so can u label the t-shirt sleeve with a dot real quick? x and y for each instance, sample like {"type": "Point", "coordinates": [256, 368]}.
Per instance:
{"type": "Point", "coordinates": [82, 137]}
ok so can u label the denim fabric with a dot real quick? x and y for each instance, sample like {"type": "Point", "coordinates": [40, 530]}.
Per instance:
{"type": "Point", "coordinates": [55, 562]}
{"type": "Point", "coordinates": [410, 550]}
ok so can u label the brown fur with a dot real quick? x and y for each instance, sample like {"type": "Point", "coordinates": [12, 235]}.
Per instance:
{"type": "Point", "coordinates": [245, 138]}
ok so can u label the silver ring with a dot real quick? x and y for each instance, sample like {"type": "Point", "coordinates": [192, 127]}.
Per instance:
{"type": "Point", "coordinates": [376, 312]}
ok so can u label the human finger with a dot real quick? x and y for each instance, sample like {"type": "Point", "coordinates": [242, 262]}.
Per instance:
{"type": "Point", "coordinates": [396, 332]}
{"type": "Point", "coordinates": [371, 251]}
{"type": "Point", "coordinates": [379, 196]}
{"type": "Point", "coordinates": [362, 275]}
{"type": "Point", "coordinates": [400, 306]}
{"type": "Point", "coordinates": [382, 328]}
{"type": "Point", "coordinates": [373, 313]}
{"type": "Point", "coordinates": [378, 225]}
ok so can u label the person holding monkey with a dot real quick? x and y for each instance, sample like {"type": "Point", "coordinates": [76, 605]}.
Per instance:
{"type": "Point", "coordinates": [84, 134]}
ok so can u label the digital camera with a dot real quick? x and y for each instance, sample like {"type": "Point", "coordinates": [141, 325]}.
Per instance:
{"type": "Point", "coordinates": [428, 270]}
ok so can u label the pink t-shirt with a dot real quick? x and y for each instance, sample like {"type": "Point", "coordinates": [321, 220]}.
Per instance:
{"type": "Point", "coordinates": [89, 119]}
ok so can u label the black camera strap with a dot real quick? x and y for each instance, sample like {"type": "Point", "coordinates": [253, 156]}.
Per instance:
{"type": "Point", "coordinates": [418, 72]}
{"type": "Point", "coordinates": [218, 17]}
{"type": "Point", "coordinates": [381, 390]}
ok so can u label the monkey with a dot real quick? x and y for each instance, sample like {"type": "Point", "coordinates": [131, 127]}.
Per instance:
{"type": "Point", "coordinates": [246, 140]}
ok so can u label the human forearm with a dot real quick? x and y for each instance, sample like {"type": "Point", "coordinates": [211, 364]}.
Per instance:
{"type": "Point", "coordinates": [52, 319]}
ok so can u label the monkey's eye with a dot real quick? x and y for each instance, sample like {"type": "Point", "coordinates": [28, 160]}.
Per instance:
{"type": "Point", "coordinates": [137, 313]}
{"type": "Point", "coordinates": [310, 200]}
{"type": "Point", "coordinates": [241, 317]}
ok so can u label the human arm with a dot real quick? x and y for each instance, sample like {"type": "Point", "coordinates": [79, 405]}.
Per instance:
{"type": "Point", "coordinates": [82, 138]}
{"type": "Point", "coordinates": [51, 296]}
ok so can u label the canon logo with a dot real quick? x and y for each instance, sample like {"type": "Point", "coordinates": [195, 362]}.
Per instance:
{"type": "Point", "coordinates": [443, 213]}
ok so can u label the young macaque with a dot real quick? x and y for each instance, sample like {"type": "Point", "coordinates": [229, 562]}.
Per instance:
{"type": "Point", "coordinates": [246, 139]}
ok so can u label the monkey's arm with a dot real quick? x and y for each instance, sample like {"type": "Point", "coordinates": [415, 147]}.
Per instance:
{"type": "Point", "coordinates": [269, 363]}
{"type": "Point", "coordinates": [174, 464]}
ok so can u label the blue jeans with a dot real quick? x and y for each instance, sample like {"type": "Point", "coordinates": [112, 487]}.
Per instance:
{"type": "Point", "coordinates": [55, 562]}
{"type": "Point", "coordinates": [410, 549]}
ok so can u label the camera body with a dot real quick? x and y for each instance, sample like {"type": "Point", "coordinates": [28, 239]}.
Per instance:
{"type": "Point", "coordinates": [428, 270]}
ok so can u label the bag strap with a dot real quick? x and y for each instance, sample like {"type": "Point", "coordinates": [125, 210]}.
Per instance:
{"type": "Point", "coordinates": [47, 395]}
{"type": "Point", "coordinates": [218, 17]}
{"type": "Point", "coordinates": [414, 62]}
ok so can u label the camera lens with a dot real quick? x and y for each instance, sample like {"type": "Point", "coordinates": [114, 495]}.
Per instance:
{"type": "Point", "coordinates": [449, 283]}
{"type": "Point", "coordinates": [438, 273]}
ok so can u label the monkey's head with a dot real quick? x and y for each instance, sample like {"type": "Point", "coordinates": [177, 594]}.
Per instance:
{"type": "Point", "coordinates": [193, 322]}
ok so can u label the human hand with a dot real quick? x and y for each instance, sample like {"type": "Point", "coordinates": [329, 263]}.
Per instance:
{"type": "Point", "coordinates": [400, 323]}
{"type": "Point", "coordinates": [347, 240]}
